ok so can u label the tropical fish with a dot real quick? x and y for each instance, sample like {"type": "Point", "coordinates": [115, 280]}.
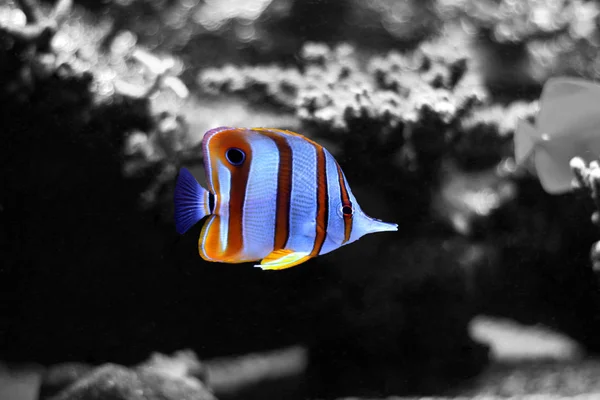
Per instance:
{"type": "Point", "coordinates": [273, 195]}
{"type": "Point", "coordinates": [567, 125]}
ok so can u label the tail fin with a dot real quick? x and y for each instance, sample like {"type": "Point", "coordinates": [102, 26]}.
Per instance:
{"type": "Point", "coordinates": [525, 138]}
{"type": "Point", "coordinates": [191, 201]}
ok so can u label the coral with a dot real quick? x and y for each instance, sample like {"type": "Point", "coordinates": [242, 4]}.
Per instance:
{"type": "Point", "coordinates": [38, 29]}
{"type": "Point", "coordinates": [588, 178]}
{"type": "Point", "coordinates": [404, 103]}
{"type": "Point", "coordinates": [161, 69]}
{"type": "Point", "coordinates": [395, 116]}
{"type": "Point", "coordinates": [331, 89]}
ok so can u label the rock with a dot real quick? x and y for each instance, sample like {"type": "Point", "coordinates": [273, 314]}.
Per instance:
{"type": "Point", "coordinates": [538, 379]}
{"type": "Point", "coordinates": [160, 378]}
{"type": "Point", "coordinates": [182, 367]}
{"type": "Point", "coordinates": [62, 375]}
{"type": "Point", "coordinates": [258, 372]}
{"type": "Point", "coordinates": [110, 381]}
{"type": "Point", "coordinates": [510, 341]}
{"type": "Point", "coordinates": [20, 382]}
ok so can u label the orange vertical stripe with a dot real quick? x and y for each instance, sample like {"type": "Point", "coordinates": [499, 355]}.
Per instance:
{"type": "Point", "coordinates": [322, 203]}
{"type": "Point", "coordinates": [219, 145]}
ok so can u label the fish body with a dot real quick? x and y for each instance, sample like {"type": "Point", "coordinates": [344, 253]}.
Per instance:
{"type": "Point", "coordinates": [567, 125]}
{"type": "Point", "coordinates": [273, 195]}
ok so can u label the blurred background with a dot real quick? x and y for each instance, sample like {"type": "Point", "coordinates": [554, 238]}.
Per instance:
{"type": "Point", "coordinates": [486, 289]}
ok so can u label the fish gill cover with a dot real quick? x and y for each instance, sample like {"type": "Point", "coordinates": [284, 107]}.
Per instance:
{"type": "Point", "coordinates": [418, 100]}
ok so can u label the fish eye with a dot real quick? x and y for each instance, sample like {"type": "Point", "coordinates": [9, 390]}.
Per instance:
{"type": "Point", "coordinates": [347, 210]}
{"type": "Point", "coordinates": [235, 156]}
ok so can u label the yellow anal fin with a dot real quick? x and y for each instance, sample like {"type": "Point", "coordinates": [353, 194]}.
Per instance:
{"type": "Point", "coordinates": [282, 259]}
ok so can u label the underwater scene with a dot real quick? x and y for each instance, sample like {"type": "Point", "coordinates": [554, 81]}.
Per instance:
{"type": "Point", "coordinates": [299, 199]}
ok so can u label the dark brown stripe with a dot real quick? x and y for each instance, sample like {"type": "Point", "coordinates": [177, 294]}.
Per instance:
{"type": "Point", "coordinates": [345, 198]}
{"type": "Point", "coordinates": [322, 203]}
{"type": "Point", "coordinates": [284, 193]}
{"type": "Point", "coordinates": [284, 189]}
{"type": "Point", "coordinates": [237, 196]}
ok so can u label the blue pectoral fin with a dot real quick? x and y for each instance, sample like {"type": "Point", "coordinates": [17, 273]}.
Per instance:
{"type": "Point", "coordinates": [191, 201]}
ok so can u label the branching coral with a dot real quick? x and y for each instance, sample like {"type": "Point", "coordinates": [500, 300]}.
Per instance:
{"type": "Point", "coordinates": [332, 89]}
{"type": "Point", "coordinates": [161, 69]}
{"type": "Point", "coordinates": [409, 107]}
{"type": "Point", "coordinates": [588, 177]}
{"type": "Point", "coordinates": [101, 82]}
{"type": "Point", "coordinates": [39, 29]}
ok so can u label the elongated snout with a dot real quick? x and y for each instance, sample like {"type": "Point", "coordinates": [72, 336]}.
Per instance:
{"type": "Point", "coordinates": [375, 225]}
{"type": "Point", "coordinates": [363, 225]}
